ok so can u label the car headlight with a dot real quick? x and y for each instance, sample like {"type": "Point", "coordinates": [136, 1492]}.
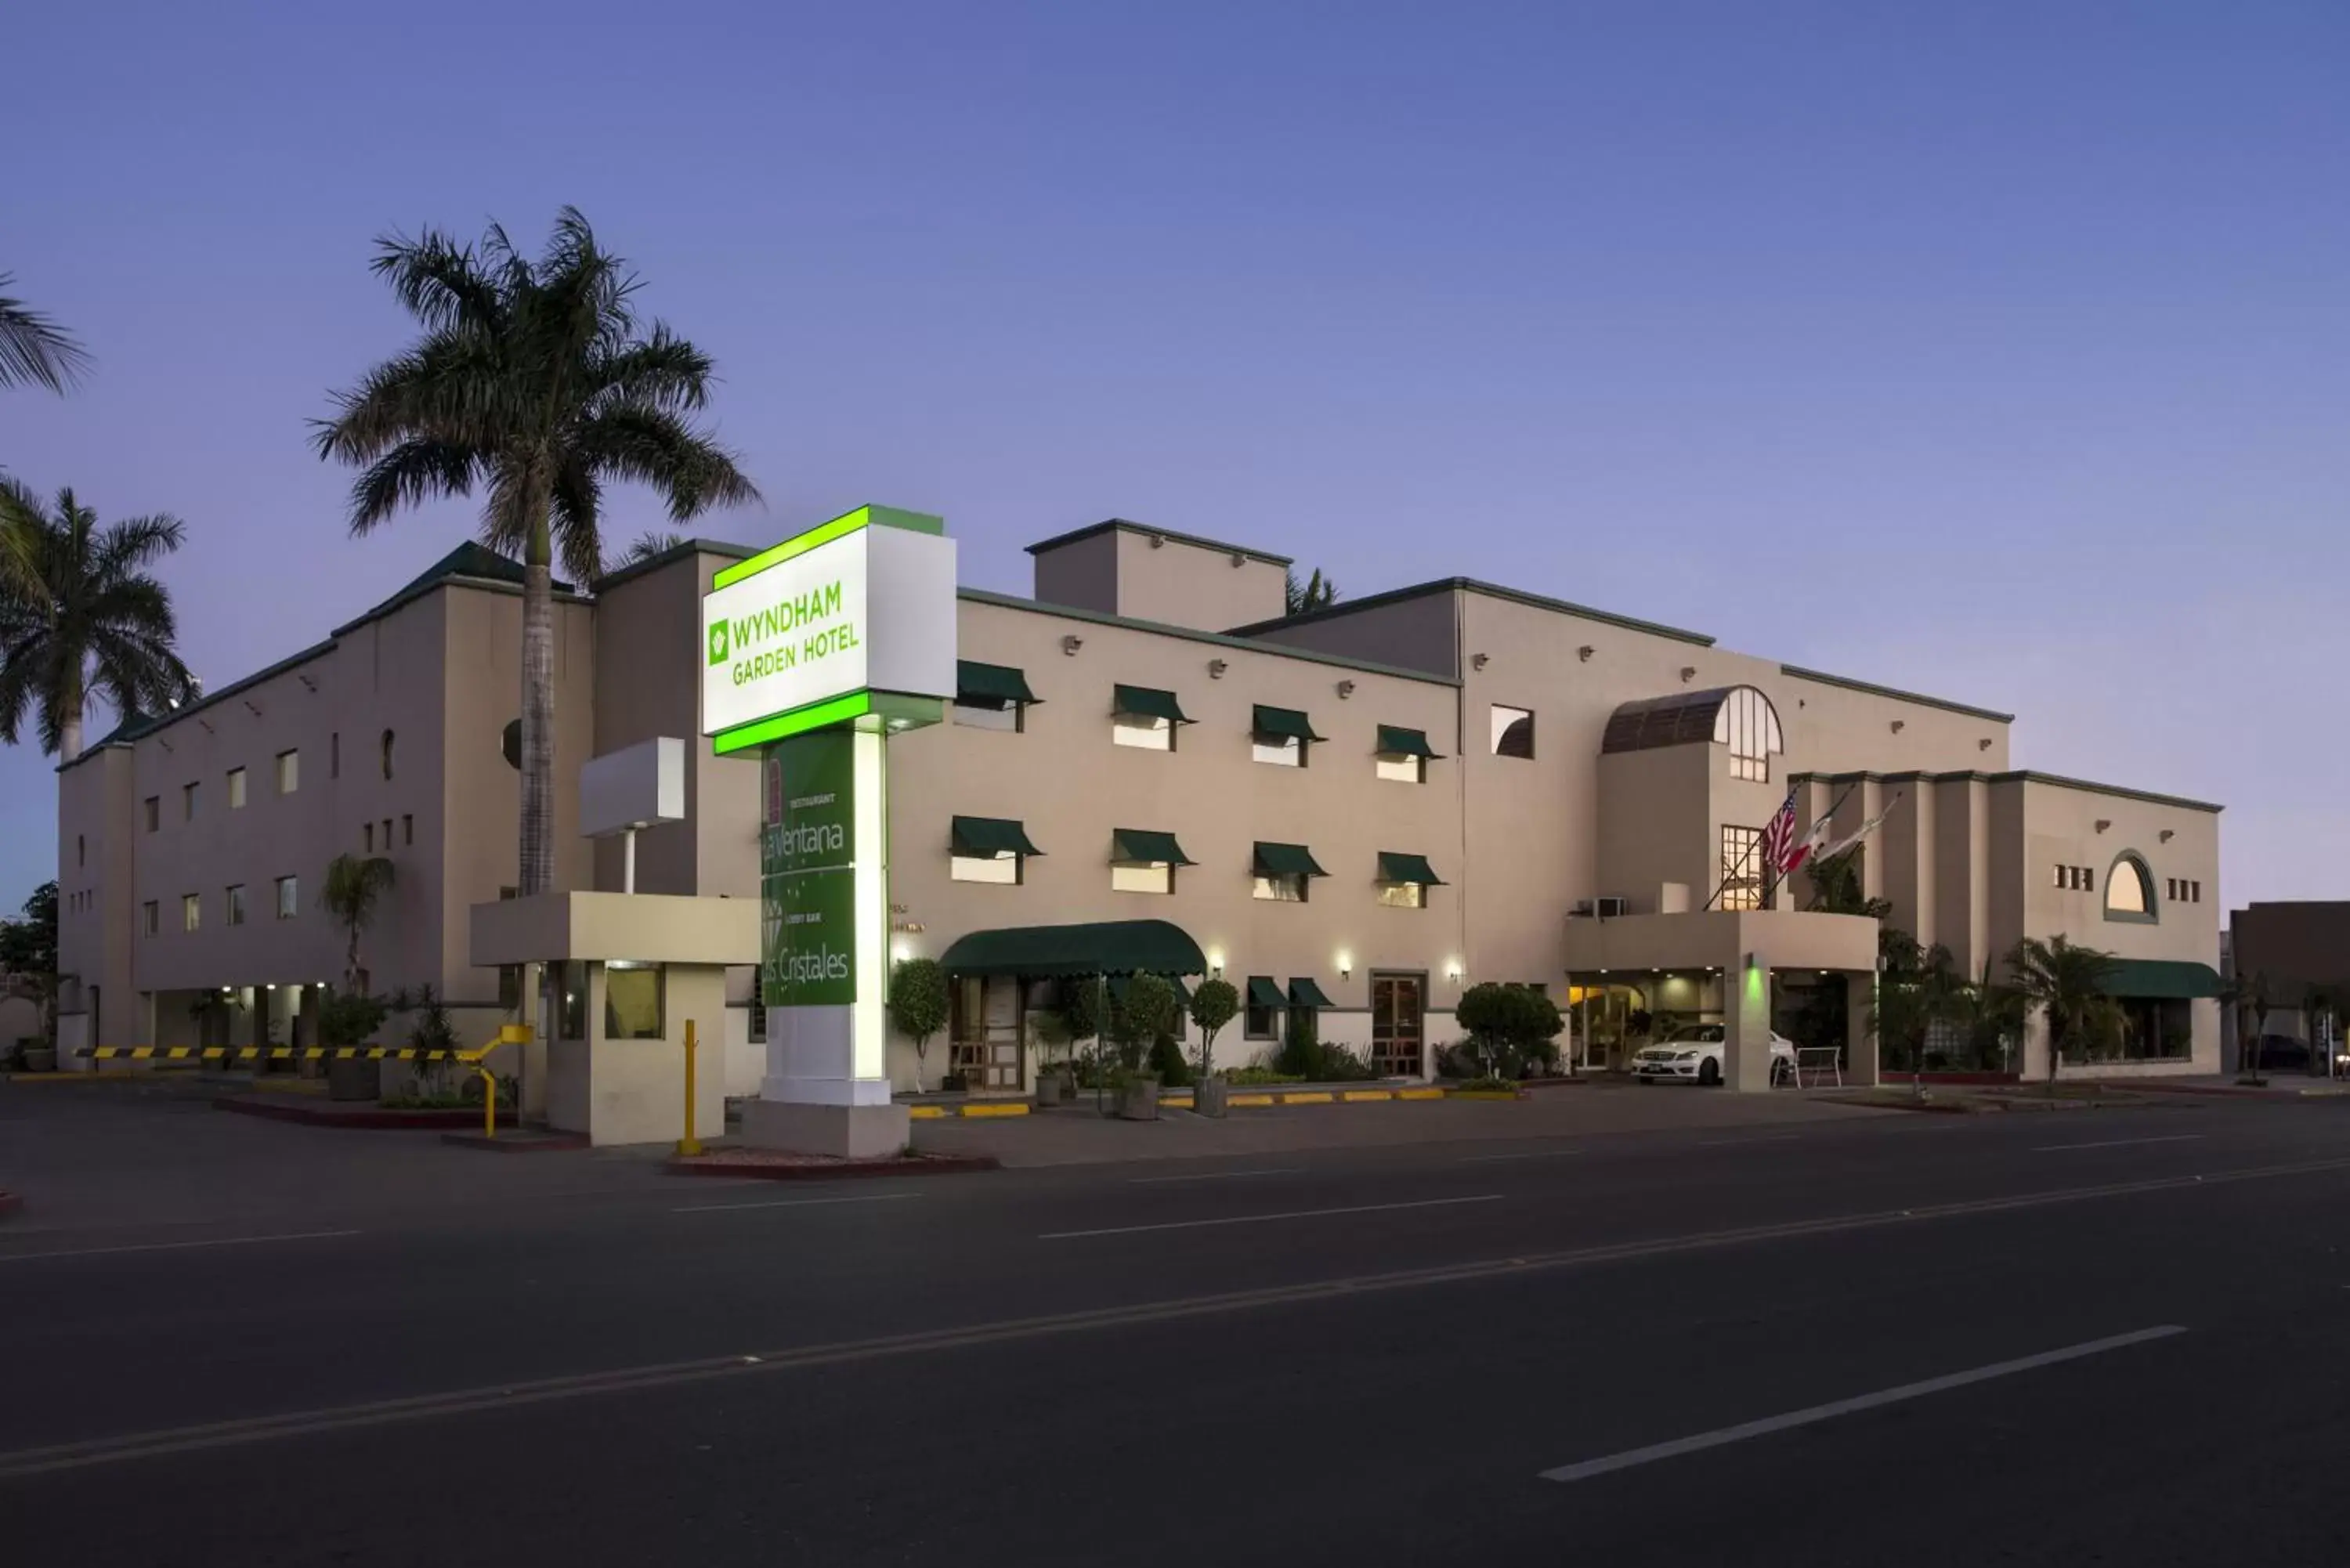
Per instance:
{"type": "Point", "coordinates": [1684, 1055]}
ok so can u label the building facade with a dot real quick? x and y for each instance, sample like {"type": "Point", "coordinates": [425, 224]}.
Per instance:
{"type": "Point", "coordinates": [1355, 813]}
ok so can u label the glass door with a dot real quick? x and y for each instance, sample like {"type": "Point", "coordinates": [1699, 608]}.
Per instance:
{"type": "Point", "coordinates": [1398, 1011]}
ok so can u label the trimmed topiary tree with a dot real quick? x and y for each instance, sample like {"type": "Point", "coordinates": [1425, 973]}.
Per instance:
{"type": "Point", "coordinates": [918, 1006]}
{"type": "Point", "coordinates": [1146, 1012]}
{"type": "Point", "coordinates": [1216, 1003]}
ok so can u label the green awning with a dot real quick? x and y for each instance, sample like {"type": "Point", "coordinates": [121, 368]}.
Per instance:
{"type": "Point", "coordinates": [1395, 741]}
{"type": "Point", "coordinates": [1263, 993]}
{"type": "Point", "coordinates": [2161, 980]}
{"type": "Point", "coordinates": [1104, 946]}
{"type": "Point", "coordinates": [1148, 702]}
{"type": "Point", "coordinates": [980, 685]}
{"type": "Point", "coordinates": [1286, 861]}
{"type": "Point", "coordinates": [1282, 723]}
{"type": "Point", "coordinates": [991, 836]}
{"type": "Point", "coordinates": [1303, 992]}
{"type": "Point", "coordinates": [1394, 867]}
{"type": "Point", "coordinates": [1138, 845]}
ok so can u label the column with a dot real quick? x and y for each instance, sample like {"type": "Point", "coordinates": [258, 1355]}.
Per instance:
{"type": "Point", "coordinates": [1860, 1040]}
{"type": "Point", "coordinates": [1746, 1014]}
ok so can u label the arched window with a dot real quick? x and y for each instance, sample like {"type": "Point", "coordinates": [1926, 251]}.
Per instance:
{"type": "Point", "coordinates": [2130, 889]}
{"type": "Point", "coordinates": [1749, 726]}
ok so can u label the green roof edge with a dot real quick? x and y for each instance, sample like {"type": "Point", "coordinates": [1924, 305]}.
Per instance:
{"type": "Point", "coordinates": [1897, 693]}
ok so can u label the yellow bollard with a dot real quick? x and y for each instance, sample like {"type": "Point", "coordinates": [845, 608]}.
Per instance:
{"type": "Point", "coordinates": [689, 1144]}
{"type": "Point", "coordinates": [489, 1101]}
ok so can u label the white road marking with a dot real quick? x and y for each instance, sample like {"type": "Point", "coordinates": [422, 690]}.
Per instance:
{"type": "Point", "coordinates": [797, 1203]}
{"type": "Point", "coordinates": [2118, 1142]}
{"type": "Point", "coordinates": [1770, 1424]}
{"type": "Point", "coordinates": [1268, 1219]}
{"type": "Point", "coordinates": [1728, 1142]}
{"type": "Point", "coordinates": [1211, 1176]}
{"type": "Point", "coordinates": [1533, 1154]}
{"type": "Point", "coordinates": [176, 1246]}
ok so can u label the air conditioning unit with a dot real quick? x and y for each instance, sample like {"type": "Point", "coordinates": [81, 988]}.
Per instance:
{"type": "Point", "coordinates": [1582, 909]}
{"type": "Point", "coordinates": [1612, 909]}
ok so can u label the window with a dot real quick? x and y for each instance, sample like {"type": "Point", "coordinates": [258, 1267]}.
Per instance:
{"type": "Point", "coordinates": [289, 897]}
{"type": "Point", "coordinates": [407, 830]}
{"type": "Point", "coordinates": [1280, 872]}
{"type": "Point", "coordinates": [192, 913]}
{"type": "Point", "coordinates": [1513, 732]}
{"type": "Point", "coordinates": [1404, 770]}
{"type": "Point", "coordinates": [1749, 726]}
{"type": "Point", "coordinates": [335, 755]}
{"type": "Point", "coordinates": [2183, 891]}
{"type": "Point", "coordinates": [990, 696]}
{"type": "Point", "coordinates": [1280, 752]}
{"type": "Point", "coordinates": [1143, 732]}
{"type": "Point", "coordinates": [188, 803]}
{"type": "Point", "coordinates": [1000, 867]}
{"type": "Point", "coordinates": [1403, 895]}
{"type": "Point", "coordinates": [1001, 716]}
{"type": "Point", "coordinates": [1280, 887]}
{"type": "Point", "coordinates": [758, 1022]}
{"type": "Point", "coordinates": [1146, 877]}
{"type": "Point", "coordinates": [387, 753]}
{"type": "Point", "coordinates": [153, 807]}
{"type": "Point", "coordinates": [1279, 736]}
{"type": "Point", "coordinates": [289, 772]}
{"type": "Point", "coordinates": [236, 789]}
{"type": "Point", "coordinates": [2129, 890]}
{"type": "Point", "coordinates": [1265, 1003]}
{"type": "Point", "coordinates": [1403, 754]}
{"type": "Point", "coordinates": [235, 903]}
{"type": "Point", "coordinates": [367, 838]}
{"type": "Point", "coordinates": [2077, 879]}
{"type": "Point", "coordinates": [1742, 867]}
{"type": "Point", "coordinates": [150, 917]}
{"type": "Point", "coordinates": [632, 1001]}
{"type": "Point", "coordinates": [386, 835]}
{"type": "Point", "coordinates": [571, 1001]}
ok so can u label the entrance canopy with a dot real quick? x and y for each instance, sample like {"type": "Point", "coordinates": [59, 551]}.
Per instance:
{"type": "Point", "coordinates": [1104, 946]}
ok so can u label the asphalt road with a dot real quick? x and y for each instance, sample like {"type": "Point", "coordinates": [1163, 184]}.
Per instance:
{"type": "Point", "coordinates": [2061, 1338]}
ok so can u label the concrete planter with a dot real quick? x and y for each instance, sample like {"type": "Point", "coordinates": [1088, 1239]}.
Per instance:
{"type": "Point", "coordinates": [1212, 1097]}
{"type": "Point", "coordinates": [41, 1058]}
{"type": "Point", "coordinates": [355, 1079]}
{"type": "Point", "coordinates": [1138, 1100]}
{"type": "Point", "coordinates": [1052, 1088]}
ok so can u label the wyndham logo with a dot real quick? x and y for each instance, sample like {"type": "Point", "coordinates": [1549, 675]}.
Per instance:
{"type": "Point", "coordinates": [718, 642]}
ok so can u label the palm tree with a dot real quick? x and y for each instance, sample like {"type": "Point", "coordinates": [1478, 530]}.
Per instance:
{"type": "Point", "coordinates": [2249, 994]}
{"type": "Point", "coordinates": [533, 381]}
{"type": "Point", "coordinates": [652, 543]}
{"type": "Point", "coordinates": [354, 889]}
{"type": "Point", "coordinates": [1316, 592]}
{"type": "Point", "coordinates": [84, 619]}
{"type": "Point", "coordinates": [2068, 983]}
{"type": "Point", "coordinates": [35, 349]}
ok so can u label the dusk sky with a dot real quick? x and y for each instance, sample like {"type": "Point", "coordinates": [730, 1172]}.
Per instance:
{"type": "Point", "coordinates": [1997, 352]}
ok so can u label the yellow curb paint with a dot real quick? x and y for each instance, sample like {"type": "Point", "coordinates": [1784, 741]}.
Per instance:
{"type": "Point", "coordinates": [1249, 1100]}
{"type": "Point", "coordinates": [1356, 1094]}
{"type": "Point", "coordinates": [925, 1113]}
{"type": "Point", "coordinates": [1009, 1108]}
{"type": "Point", "coordinates": [1420, 1094]}
{"type": "Point", "coordinates": [1318, 1097]}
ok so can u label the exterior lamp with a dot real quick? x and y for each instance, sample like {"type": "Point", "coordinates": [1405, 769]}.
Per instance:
{"type": "Point", "coordinates": [1455, 971]}
{"type": "Point", "coordinates": [1216, 963]}
{"type": "Point", "coordinates": [1346, 966]}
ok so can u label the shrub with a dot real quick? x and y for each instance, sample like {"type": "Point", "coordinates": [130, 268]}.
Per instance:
{"type": "Point", "coordinates": [1508, 1025]}
{"type": "Point", "coordinates": [1247, 1075]}
{"type": "Point", "coordinates": [1138, 1018]}
{"type": "Point", "coordinates": [1491, 1086]}
{"type": "Point", "coordinates": [1167, 1061]}
{"type": "Point", "coordinates": [918, 1006]}
{"type": "Point", "coordinates": [349, 1018]}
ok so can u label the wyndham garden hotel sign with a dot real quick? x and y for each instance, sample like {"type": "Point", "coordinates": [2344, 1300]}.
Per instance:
{"type": "Point", "coordinates": [813, 653]}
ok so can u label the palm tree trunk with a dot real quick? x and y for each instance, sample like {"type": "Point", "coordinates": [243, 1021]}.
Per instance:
{"type": "Point", "coordinates": [537, 713]}
{"type": "Point", "coordinates": [69, 706]}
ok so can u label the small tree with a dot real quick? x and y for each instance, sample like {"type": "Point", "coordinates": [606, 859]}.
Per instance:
{"type": "Point", "coordinates": [28, 952]}
{"type": "Point", "coordinates": [918, 1006]}
{"type": "Point", "coordinates": [1489, 1011]}
{"type": "Point", "coordinates": [2068, 983]}
{"type": "Point", "coordinates": [1146, 1011]}
{"type": "Point", "coordinates": [354, 890]}
{"type": "Point", "coordinates": [1540, 1022]}
{"type": "Point", "coordinates": [1216, 1003]}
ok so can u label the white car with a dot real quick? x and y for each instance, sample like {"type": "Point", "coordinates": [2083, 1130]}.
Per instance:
{"type": "Point", "coordinates": [1692, 1053]}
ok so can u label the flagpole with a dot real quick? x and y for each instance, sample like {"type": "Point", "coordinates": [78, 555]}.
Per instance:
{"type": "Point", "coordinates": [1772, 879]}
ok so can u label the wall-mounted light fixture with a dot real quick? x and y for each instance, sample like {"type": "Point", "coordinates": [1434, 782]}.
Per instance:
{"type": "Point", "coordinates": [1239, 558]}
{"type": "Point", "coordinates": [1584, 653]}
{"type": "Point", "coordinates": [1216, 667]}
{"type": "Point", "coordinates": [1688, 673]}
{"type": "Point", "coordinates": [1899, 725]}
{"type": "Point", "coordinates": [1159, 541]}
{"type": "Point", "coordinates": [1455, 970]}
{"type": "Point", "coordinates": [1346, 966]}
{"type": "Point", "coordinates": [1216, 963]}
{"type": "Point", "coordinates": [2166, 835]}
{"type": "Point", "coordinates": [1070, 644]}
{"type": "Point", "coordinates": [1479, 660]}
{"type": "Point", "coordinates": [1346, 690]}
{"type": "Point", "coordinates": [2103, 823]}
{"type": "Point", "coordinates": [900, 951]}
{"type": "Point", "coordinates": [1983, 744]}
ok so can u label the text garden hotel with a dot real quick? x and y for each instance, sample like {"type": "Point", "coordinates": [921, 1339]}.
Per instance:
{"type": "Point", "coordinates": [1359, 811]}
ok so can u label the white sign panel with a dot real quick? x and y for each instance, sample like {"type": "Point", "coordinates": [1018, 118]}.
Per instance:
{"type": "Point", "coordinates": [637, 786]}
{"type": "Point", "coordinates": [872, 610]}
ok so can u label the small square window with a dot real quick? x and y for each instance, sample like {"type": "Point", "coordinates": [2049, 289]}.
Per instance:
{"type": "Point", "coordinates": [289, 897]}
{"type": "Point", "coordinates": [632, 1001]}
{"type": "Point", "coordinates": [1144, 731]}
{"type": "Point", "coordinates": [1004, 867]}
{"type": "Point", "coordinates": [1278, 751]}
{"type": "Point", "coordinates": [150, 917]}
{"type": "Point", "coordinates": [154, 810]}
{"type": "Point", "coordinates": [1403, 895]}
{"type": "Point", "coordinates": [188, 799]}
{"type": "Point", "coordinates": [235, 903]}
{"type": "Point", "coordinates": [1151, 877]}
{"type": "Point", "coordinates": [2088, 880]}
{"type": "Point", "coordinates": [236, 789]}
{"type": "Point", "coordinates": [1404, 770]}
{"type": "Point", "coordinates": [407, 830]}
{"type": "Point", "coordinates": [1283, 887]}
{"type": "Point", "coordinates": [192, 913]}
{"type": "Point", "coordinates": [289, 772]}
{"type": "Point", "coordinates": [1513, 732]}
{"type": "Point", "coordinates": [1013, 716]}
{"type": "Point", "coordinates": [367, 838]}
{"type": "Point", "coordinates": [1257, 1022]}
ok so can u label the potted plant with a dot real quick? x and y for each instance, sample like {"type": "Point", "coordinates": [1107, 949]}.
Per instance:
{"type": "Point", "coordinates": [1051, 1028]}
{"type": "Point", "coordinates": [1146, 1012]}
{"type": "Point", "coordinates": [1213, 1005]}
{"type": "Point", "coordinates": [348, 1019]}
{"type": "Point", "coordinates": [918, 1006]}
{"type": "Point", "coordinates": [39, 1055]}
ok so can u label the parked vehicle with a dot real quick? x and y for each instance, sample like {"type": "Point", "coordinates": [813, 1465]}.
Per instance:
{"type": "Point", "coordinates": [2282, 1054]}
{"type": "Point", "coordinates": [1693, 1054]}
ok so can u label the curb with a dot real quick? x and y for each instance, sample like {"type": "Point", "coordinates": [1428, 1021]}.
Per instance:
{"type": "Point", "coordinates": [2219, 1091]}
{"type": "Point", "coordinates": [925, 1165]}
{"type": "Point", "coordinates": [975, 1109]}
{"type": "Point", "coordinates": [364, 1119]}
{"type": "Point", "coordinates": [521, 1143]}
{"type": "Point", "coordinates": [106, 1076]}
{"type": "Point", "coordinates": [1183, 1102]}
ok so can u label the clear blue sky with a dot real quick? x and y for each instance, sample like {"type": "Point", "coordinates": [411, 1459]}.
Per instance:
{"type": "Point", "coordinates": [1999, 351]}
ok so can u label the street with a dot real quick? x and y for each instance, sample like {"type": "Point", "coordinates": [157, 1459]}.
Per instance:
{"type": "Point", "coordinates": [1866, 1337]}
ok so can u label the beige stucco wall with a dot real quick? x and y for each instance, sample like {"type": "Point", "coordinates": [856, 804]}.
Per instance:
{"type": "Point", "coordinates": [1658, 805]}
{"type": "Point", "coordinates": [95, 920]}
{"type": "Point", "coordinates": [1081, 573]}
{"type": "Point", "coordinates": [1420, 632]}
{"type": "Point", "coordinates": [1178, 583]}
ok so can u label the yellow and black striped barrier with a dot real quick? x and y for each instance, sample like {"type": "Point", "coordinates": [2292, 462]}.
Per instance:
{"type": "Point", "coordinates": [274, 1054]}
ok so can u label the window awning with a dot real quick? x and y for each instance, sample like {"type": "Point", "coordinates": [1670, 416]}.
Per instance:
{"type": "Point", "coordinates": [1104, 946]}
{"type": "Point", "coordinates": [1141, 847]}
{"type": "Point", "coordinates": [1286, 861]}
{"type": "Point", "coordinates": [2162, 979]}
{"type": "Point", "coordinates": [1263, 992]}
{"type": "Point", "coordinates": [1283, 723]}
{"type": "Point", "coordinates": [1395, 741]}
{"type": "Point", "coordinates": [1148, 702]}
{"type": "Point", "coordinates": [1394, 867]}
{"type": "Point", "coordinates": [980, 685]}
{"type": "Point", "coordinates": [1303, 992]}
{"type": "Point", "coordinates": [991, 836]}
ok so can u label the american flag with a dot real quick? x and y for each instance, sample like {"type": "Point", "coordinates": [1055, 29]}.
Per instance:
{"type": "Point", "coordinates": [1779, 836]}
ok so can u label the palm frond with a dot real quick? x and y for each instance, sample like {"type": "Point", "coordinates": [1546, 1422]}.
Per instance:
{"type": "Point", "coordinates": [663, 371]}
{"type": "Point", "coordinates": [410, 472]}
{"type": "Point", "coordinates": [440, 282]}
{"type": "Point", "coordinates": [125, 546]}
{"type": "Point", "coordinates": [578, 519]}
{"type": "Point", "coordinates": [35, 349]}
{"type": "Point", "coordinates": [649, 546]}
{"type": "Point", "coordinates": [655, 447]}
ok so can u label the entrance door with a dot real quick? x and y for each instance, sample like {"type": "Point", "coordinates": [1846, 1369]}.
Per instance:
{"type": "Point", "coordinates": [1398, 1010]}
{"type": "Point", "coordinates": [986, 1046]}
